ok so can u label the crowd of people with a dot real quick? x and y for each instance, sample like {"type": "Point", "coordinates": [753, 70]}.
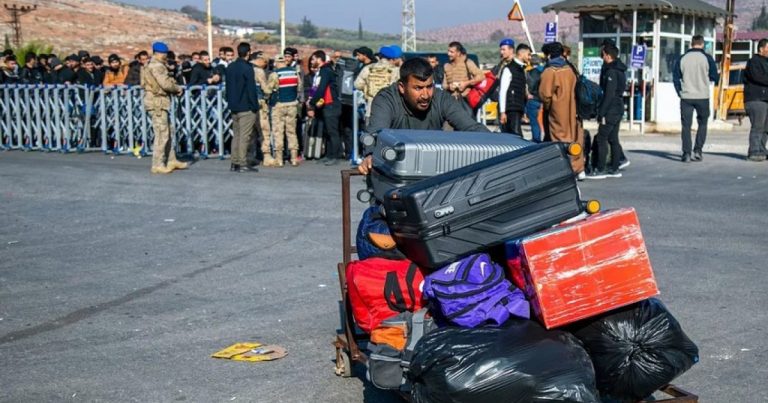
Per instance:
{"type": "Point", "coordinates": [273, 98]}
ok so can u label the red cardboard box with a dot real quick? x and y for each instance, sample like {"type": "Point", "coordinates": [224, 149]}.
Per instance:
{"type": "Point", "coordinates": [582, 269]}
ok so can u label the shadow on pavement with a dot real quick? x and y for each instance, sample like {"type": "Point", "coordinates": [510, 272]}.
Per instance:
{"type": "Point", "coordinates": [740, 157]}
{"type": "Point", "coordinates": [660, 154]}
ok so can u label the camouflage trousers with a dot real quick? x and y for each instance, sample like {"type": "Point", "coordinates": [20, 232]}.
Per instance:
{"type": "Point", "coordinates": [162, 146]}
{"type": "Point", "coordinates": [266, 130]}
{"type": "Point", "coordinates": [284, 123]}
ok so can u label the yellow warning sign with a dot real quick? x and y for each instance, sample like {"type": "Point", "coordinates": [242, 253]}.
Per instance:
{"type": "Point", "coordinates": [515, 14]}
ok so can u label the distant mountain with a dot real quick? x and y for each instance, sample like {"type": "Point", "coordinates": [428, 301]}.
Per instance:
{"type": "Point", "coordinates": [481, 32]}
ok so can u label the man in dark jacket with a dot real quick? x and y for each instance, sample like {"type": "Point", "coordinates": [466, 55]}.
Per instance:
{"type": "Point", "coordinates": [414, 103]}
{"type": "Point", "coordinates": [613, 79]}
{"type": "Point", "coordinates": [326, 104]}
{"type": "Point", "coordinates": [68, 75]}
{"type": "Point", "coordinates": [134, 68]}
{"type": "Point", "coordinates": [242, 101]}
{"type": "Point", "coordinates": [203, 73]}
{"type": "Point", "coordinates": [31, 73]}
{"type": "Point", "coordinates": [87, 74]}
{"type": "Point", "coordinates": [98, 69]}
{"type": "Point", "coordinates": [533, 104]}
{"type": "Point", "coordinates": [756, 101]}
{"type": "Point", "coordinates": [692, 74]}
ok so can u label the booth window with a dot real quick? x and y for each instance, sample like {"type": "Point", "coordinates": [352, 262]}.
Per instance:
{"type": "Point", "coordinates": [671, 23]}
{"type": "Point", "coordinates": [599, 23]}
{"type": "Point", "coordinates": [670, 52]}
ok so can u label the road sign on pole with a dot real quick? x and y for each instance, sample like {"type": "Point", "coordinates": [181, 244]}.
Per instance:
{"type": "Point", "coordinates": [550, 32]}
{"type": "Point", "coordinates": [515, 14]}
{"type": "Point", "coordinates": [638, 56]}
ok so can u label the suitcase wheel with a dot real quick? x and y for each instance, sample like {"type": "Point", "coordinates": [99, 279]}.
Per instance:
{"type": "Point", "coordinates": [343, 364]}
{"type": "Point", "coordinates": [592, 207]}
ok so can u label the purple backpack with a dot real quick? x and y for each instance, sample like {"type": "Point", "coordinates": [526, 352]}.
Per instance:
{"type": "Point", "coordinates": [473, 291]}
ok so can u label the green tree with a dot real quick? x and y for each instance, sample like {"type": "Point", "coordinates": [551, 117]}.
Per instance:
{"type": "Point", "coordinates": [360, 29]}
{"type": "Point", "coordinates": [31, 47]}
{"type": "Point", "coordinates": [307, 29]}
{"type": "Point", "coordinates": [761, 21]}
{"type": "Point", "coordinates": [497, 36]}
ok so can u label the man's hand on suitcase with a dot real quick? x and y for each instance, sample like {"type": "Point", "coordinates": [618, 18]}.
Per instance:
{"type": "Point", "coordinates": [366, 165]}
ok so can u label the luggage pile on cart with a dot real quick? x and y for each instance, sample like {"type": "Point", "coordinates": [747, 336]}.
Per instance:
{"type": "Point", "coordinates": [482, 276]}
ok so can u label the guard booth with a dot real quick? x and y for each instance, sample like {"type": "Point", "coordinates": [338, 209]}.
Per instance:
{"type": "Point", "coordinates": [664, 28]}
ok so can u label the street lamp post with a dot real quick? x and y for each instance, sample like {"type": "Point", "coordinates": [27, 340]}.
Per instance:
{"type": "Point", "coordinates": [282, 26]}
{"type": "Point", "coordinates": [210, 27]}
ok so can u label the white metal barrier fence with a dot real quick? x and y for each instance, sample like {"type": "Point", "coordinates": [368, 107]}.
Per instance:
{"type": "Point", "coordinates": [68, 118]}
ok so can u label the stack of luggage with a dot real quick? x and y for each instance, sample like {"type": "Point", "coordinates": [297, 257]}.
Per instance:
{"type": "Point", "coordinates": [481, 278]}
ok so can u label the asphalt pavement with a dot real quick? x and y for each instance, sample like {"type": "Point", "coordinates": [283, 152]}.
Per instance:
{"type": "Point", "coordinates": [116, 285]}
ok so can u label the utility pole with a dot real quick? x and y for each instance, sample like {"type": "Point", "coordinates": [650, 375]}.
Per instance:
{"type": "Point", "coordinates": [409, 26]}
{"type": "Point", "coordinates": [725, 62]}
{"type": "Point", "coordinates": [209, 23]}
{"type": "Point", "coordinates": [282, 26]}
{"type": "Point", "coordinates": [16, 13]}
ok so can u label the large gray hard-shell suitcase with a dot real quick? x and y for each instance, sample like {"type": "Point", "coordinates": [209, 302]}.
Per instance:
{"type": "Point", "coordinates": [439, 220]}
{"type": "Point", "coordinates": [401, 157]}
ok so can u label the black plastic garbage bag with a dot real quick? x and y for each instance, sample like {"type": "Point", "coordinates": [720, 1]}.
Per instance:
{"type": "Point", "coordinates": [519, 362]}
{"type": "Point", "coordinates": [636, 349]}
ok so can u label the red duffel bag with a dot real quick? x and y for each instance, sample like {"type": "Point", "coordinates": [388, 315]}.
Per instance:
{"type": "Point", "coordinates": [479, 92]}
{"type": "Point", "coordinates": [382, 288]}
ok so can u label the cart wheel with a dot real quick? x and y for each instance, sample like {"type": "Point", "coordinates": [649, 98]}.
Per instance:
{"type": "Point", "coordinates": [343, 364]}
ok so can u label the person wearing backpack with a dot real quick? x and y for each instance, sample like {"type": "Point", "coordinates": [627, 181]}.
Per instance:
{"type": "Point", "coordinates": [461, 74]}
{"type": "Point", "coordinates": [613, 79]}
{"type": "Point", "coordinates": [513, 94]}
{"type": "Point", "coordinates": [377, 76]}
{"type": "Point", "coordinates": [557, 90]}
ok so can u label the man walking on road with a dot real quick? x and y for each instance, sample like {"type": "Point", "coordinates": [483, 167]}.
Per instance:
{"type": "Point", "coordinates": [242, 100]}
{"type": "Point", "coordinates": [613, 79]}
{"type": "Point", "coordinates": [692, 75]}
{"type": "Point", "coordinates": [159, 88]}
{"type": "Point", "coordinates": [756, 101]}
{"type": "Point", "coordinates": [327, 106]}
{"type": "Point", "coordinates": [514, 93]}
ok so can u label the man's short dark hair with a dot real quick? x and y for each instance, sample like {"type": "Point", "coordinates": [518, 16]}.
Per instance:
{"type": "Point", "coordinates": [222, 49]}
{"type": "Point", "coordinates": [142, 54]}
{"type": "Point", "coordinates": [762, 43]}
{"type": "Point", "coordinates": [10, 58]}
{"type": "Point", "coordinates": [431, 56]}
{"type": "Point", "coordinates": [227, 49]}
{"type": "Point", "coordinates": [203, 53]}
{"type": "Point", "coordinates": [611, 50]}
{"type": "Point", "coordinates": [29, 57]}
{"type": "Point", "coordinates": [86, 60]}
{"type": "Point", "coordinates": [458, 46]}
{"type": "Point", "coordinates": [521, 47]}
{"type": "Point", "coordinates": [198, 53]}
{"type": "Point", "coordinates": [319, 54]}
{"type": "Point", "coordinates": [243, 49]}
{"type": "Point", "coordinates": [416, 67]}
{"type": "Point", "coordinates": [697, 40]}
{"type": "Point", "coordinates": [553, 49]}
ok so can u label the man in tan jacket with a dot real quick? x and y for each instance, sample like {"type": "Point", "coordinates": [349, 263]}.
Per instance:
{"type": "Point", "coordinates": [557, 90]}
{"type": "Point", "coordinates": [461, 74]}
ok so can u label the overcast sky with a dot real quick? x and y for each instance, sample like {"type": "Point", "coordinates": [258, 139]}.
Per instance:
{"type": "Point", "coordinates": [377, 15]}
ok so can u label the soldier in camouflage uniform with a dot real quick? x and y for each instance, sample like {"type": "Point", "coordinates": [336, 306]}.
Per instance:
{"type": "Point", "coordinates": [159, 87]}
{"type": "Point", "coordinates": [284, 113]}
{"type": "Point", "coordinates": [377, 76]}
{"type": "Point", "coordinates": [266, 84]}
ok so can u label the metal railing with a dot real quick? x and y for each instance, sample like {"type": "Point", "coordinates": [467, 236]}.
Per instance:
{"type": "Point", "coordinates": [67, 118]}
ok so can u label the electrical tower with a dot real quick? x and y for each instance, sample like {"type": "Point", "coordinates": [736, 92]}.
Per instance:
{"type": "Point", "coordinates": [409, 25]}
{"type": "Point", "coordinates": [16, 13]}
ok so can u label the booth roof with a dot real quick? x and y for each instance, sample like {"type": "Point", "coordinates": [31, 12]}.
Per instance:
{"type": "Point", "coordinates": [689, 7]}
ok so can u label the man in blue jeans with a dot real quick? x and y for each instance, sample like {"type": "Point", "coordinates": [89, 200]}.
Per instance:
{"type": "Point", "coordinates": [692, 74]}
{"type": "Point", "coordinates": [533, 106]}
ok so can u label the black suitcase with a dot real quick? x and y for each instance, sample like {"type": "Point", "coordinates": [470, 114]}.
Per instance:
{"type": "Point", "coordinates": [401, 157]}
{"type": "Point", "coordinates": [441, 219]}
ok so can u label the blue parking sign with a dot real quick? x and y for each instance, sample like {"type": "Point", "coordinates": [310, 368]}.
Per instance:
{"type": "Point", "coordinates": [550, 32]}
{"type": "Point", "coordinates": [638, 56]}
